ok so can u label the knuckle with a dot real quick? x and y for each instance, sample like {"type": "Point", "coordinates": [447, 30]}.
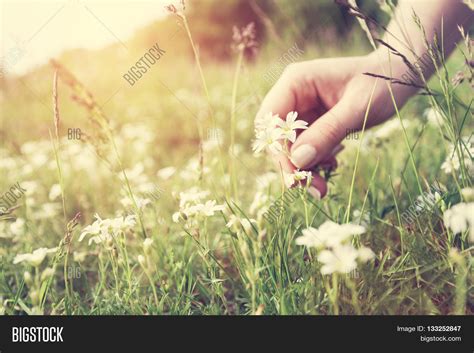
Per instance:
{"type": "Point", "coordinates": [331, 131]}
{"type": "Point", "coordinates": [291, 70]}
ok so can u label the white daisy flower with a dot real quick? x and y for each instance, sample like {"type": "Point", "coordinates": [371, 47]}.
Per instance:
{"type": "Point", "coordinates": [192, 195]}
{"type": "Point", "coordinates": [291, 178]}
{"type": "Point", "coordinates": [103, 230]}
{"type": "Point", "coordinates": [268, 138]}
{"type": "Point", "coordinates": [35, 258]}
{"type": "Point", "coordinates": [290, 125]}
{"type": "Point", "coordinates": [209, 208]}
{"type": "Point", "coordinates": [365, 254]}
{"type": "Point", "coordinates": [433, 117]}
{"type": "Point", "coordinates": [269, 120]}
{"type": "Point", "coordinates": [452, 161]}
{"type": "Point", "coordinates": [329, 234]}
{"type": "Point", "coordinates": [341, 259]}
{"type": "Point", "coordinates": [460, 218]}
{"type": "Point", "coordinates": [311, 238]}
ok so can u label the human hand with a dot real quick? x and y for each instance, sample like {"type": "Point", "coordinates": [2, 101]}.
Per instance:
{"type": "Point", "coordinates": [332, 95]}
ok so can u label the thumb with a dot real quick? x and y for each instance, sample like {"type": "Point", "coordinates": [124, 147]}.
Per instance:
{"type": "Point", "coordinates": [318, 142]}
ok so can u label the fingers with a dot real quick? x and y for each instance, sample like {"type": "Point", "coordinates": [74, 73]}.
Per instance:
{"type": "Point", "coordinates": [279, 100]}
{"type": "Point", "coordinates": [322, 138]}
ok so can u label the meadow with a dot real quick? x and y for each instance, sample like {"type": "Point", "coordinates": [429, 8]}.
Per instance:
{"type": "Point", "coordinates": [150, 199]}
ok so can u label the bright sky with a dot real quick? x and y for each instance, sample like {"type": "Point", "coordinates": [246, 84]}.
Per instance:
{"type": "Point", "coordinates": [33, 31]}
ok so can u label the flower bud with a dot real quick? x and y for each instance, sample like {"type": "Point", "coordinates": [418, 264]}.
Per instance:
{"type": "Point", "coordinates": [142, 260]}
{"type": "Point", "coordinates": [47, 273]}
{"type": "Point", "coordinates": [147, 245]}
{"type": "Point", "coordinates": [28, 278]}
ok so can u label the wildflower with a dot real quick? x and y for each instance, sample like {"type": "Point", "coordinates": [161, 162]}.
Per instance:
{"type": "Point", "coordinates": [299, 175]}
{"type": "Point", "coordinates": [468, 194]}
{"type": "Point", "coordinates": [268, 138]}
{"type": "Point", "coordinates": [452, 162]}
{"type": "Point", "coordinates": [341, 259]}
{"type": "Point", "coordinates": [166, 173]}
{"type": "Point", "coordinates": [458, 79]}
{"type": "Point", "coordinates": [365, 254]}
{"type": "Point", "coordinates": [192, 195]}
{"type": "Point", "coordinates": [271, 131]}
{"type": "Point", "coordinates": [337, 256]}
{"type": "Point", "coordinates": [55, 192]}
{"type": "Point", "coordinates": [176, 217]}
{"type": "Point", "coordinates": [290, 125]}
{"type": "Point", "coordinates": [47, 273]}
{"type": "Point", "coordinates": [190, 204]}
{"type": "Point", "coordinates": [329, 234]}
{"type": "Point", "coordinates": [47, 211]}
{"type": "Point", "coordinates": [364, 218]}
{"type": "Point", "coordinates": [460, 218]}
{"type": "Point", "coordinates": [79, 256]}
{"type": "Point", "coordinates": [35, 258]}
{"type": "Point", "coordinates": [28, 278]}
{"type": "Point", "coordinates": [244, 40]}
{"type": "Point", "coordinates": [142, 260]}
{"type": "Point", "coordinates": [268, 120]}
{"type": "Point", "coordinates": [192, 170]}
{"type": "Point", "coordinates": [208, 209]}
{"type": "Point", "coordinates": [433, 117]}
{"type": "Point", "coordinates": [172, 7]}
{"type": "Point", "coordinates": [18, 227]}
{"type": "Point", "coordinates": [235, 222]}
{"type": "Point", "coordinates": [140, 201]}
{"type": "Point", "coordinates": [311, 238]}
{"type": "Point", "coordinates": [147, 243]}
{"type": "Point", "coordinates": [105, 230]}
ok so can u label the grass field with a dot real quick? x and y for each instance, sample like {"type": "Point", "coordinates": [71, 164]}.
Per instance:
{"type": "Point", "coordinates": [158, 206]}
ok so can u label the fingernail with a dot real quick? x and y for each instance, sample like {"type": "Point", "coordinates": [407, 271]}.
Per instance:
{"type": "Point", "coordinates": [303, 155]}
{"type": "Point", "coordinates": [314, 192]}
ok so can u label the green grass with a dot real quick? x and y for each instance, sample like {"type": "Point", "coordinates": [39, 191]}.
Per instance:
{"type": "Point", "coordinates": [207, 268]}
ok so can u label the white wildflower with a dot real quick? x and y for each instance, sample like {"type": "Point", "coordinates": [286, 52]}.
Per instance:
{"type": "Point", "coordinates": [35, 258]}
{"type": "Point", "coordinates": [269, 120]}
{"type": "Point", "coordinates": [468, 194]}
{"type": "Point", "coordinates": [290, 125]}
{"type": "Point", "coordinates": [433, 117]}
{"type": "Point", "coordinates": [18, 227]}
{"type": "Point", "coordinates": [460, 218]}
{"type": "Point", "coordinates": [166, 173]}
{"type": "Point", "coordinates": [329, 234]}
{"type": "Point", "coordinates": [341, 259]}
{"type": "Point", "coordinates": [452, 161]}
{"type": "Point", "coordinates": [365, 254]}
{"type": "Point", "coordinates": [54, 192]}
{"type": "Point", "coordinates": [270, 139]}
{"type": "Point", "coordinates": [298, 175]}
{"type": "Point", "coordinates": [103, 230]}
{"type": "Point", "coordinates": [235, 222]}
